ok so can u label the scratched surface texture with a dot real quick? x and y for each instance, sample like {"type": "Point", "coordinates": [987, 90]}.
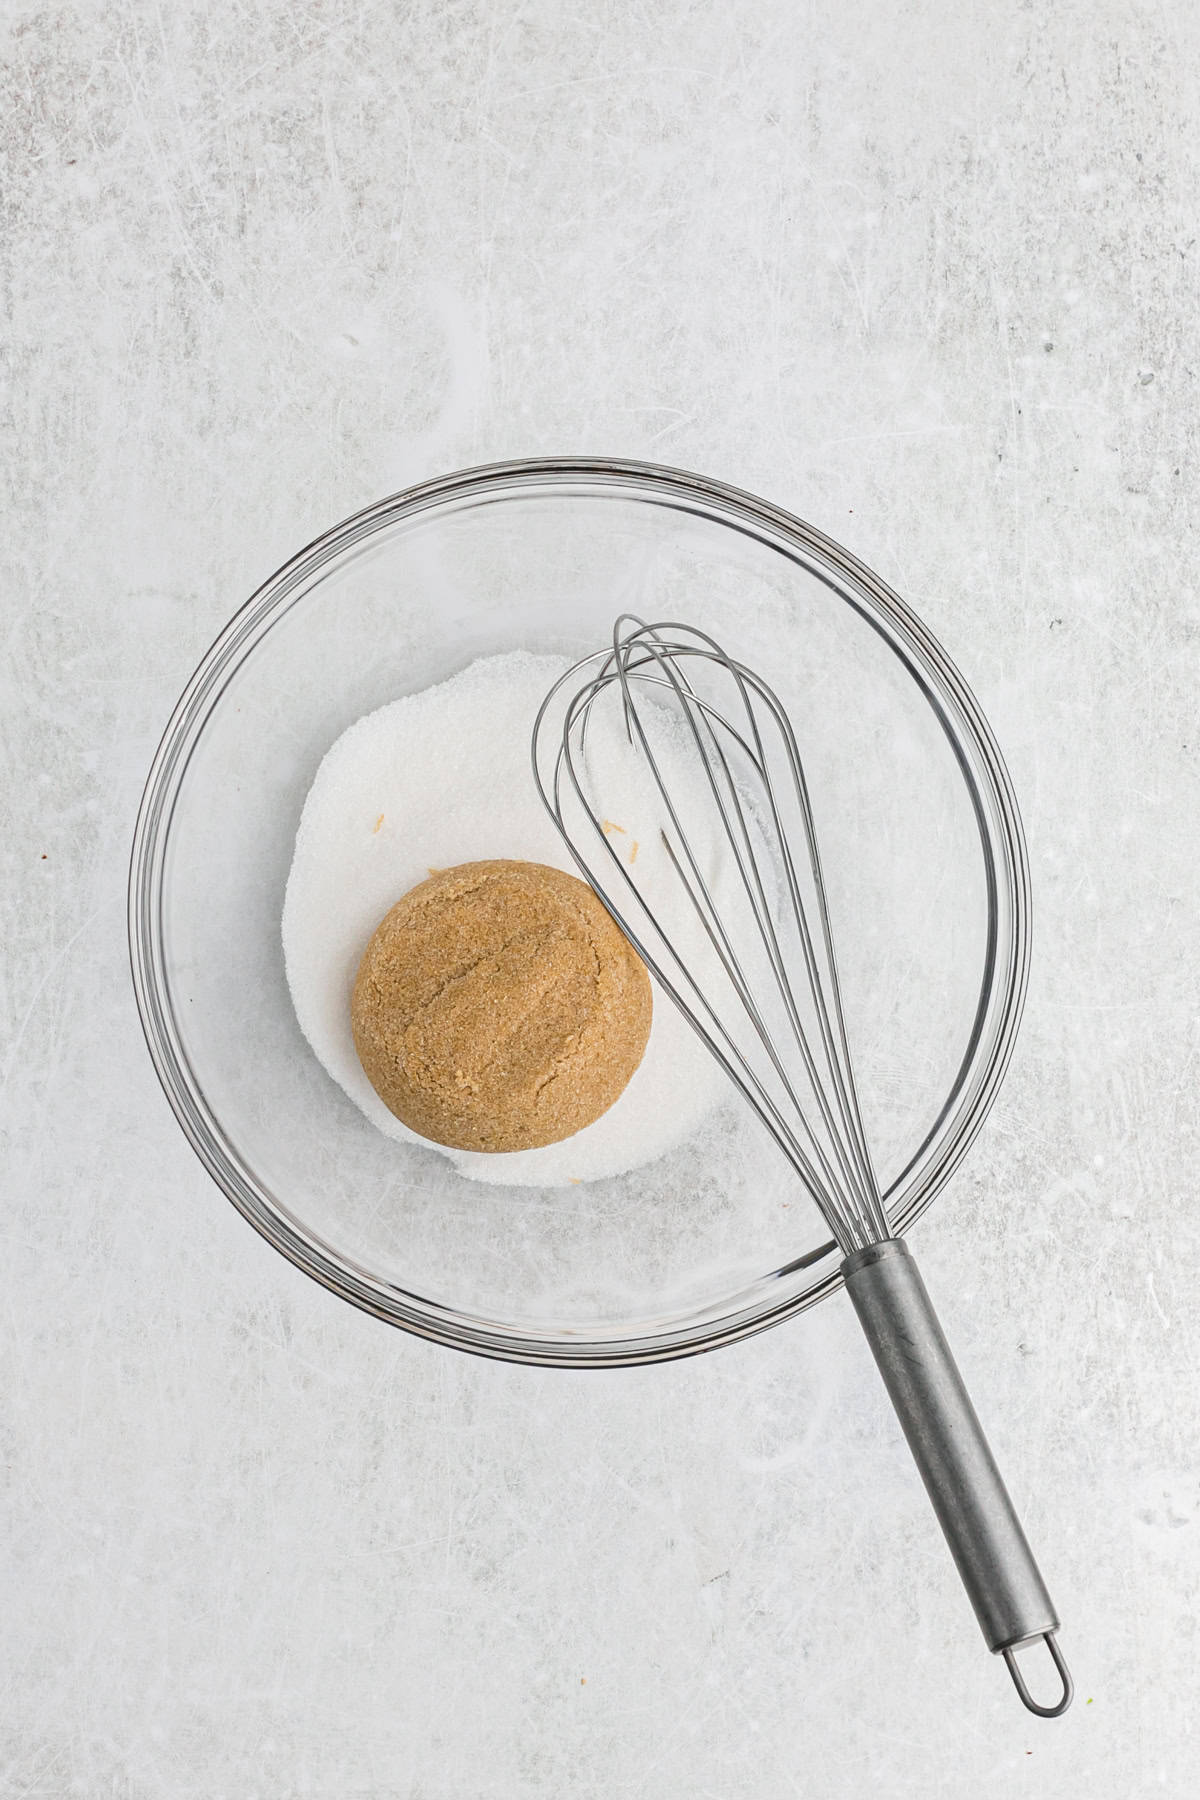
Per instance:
{"type": "Point", "coordinates": [924, 272]}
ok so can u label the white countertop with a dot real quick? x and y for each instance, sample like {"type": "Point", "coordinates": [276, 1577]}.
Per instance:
{"type": "Point", "coordinates": [924, 274]}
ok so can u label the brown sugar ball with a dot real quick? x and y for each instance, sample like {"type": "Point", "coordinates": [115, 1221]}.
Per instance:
{"type": "Point", "coordinates": [498, 1007]}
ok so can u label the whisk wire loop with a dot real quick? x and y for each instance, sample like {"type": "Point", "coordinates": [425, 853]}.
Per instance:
{"type": "Point", "coordinates": [701, 720]}
{"type": "Point", "coordinates": [820, 1130]}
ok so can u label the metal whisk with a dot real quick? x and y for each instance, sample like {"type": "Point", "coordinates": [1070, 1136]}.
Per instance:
{"type": "Point", "coordinates": [756, 977]}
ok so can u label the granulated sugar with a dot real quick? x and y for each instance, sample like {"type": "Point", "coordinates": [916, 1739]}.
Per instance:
{"type": "Point", "coordinates": [443, 777]}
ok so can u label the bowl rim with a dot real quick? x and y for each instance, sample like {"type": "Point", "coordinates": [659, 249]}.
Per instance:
{"type": "Point", "coordinates": [944, 688]}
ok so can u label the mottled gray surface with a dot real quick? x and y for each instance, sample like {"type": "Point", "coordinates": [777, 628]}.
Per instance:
{"type": "Point", "coordinates": [925, 273]}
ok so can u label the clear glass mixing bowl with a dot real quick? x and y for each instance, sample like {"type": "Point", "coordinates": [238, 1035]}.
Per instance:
{"type": "Point", "coordinates": [919, 834]}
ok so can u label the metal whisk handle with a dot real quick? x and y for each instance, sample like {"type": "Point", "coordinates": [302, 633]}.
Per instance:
{"type": "Point", "coordinates": [956, 1464]}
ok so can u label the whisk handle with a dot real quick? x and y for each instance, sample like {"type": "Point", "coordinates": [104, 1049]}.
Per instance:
{"type": "Point", "coordinates": [952, 1454]}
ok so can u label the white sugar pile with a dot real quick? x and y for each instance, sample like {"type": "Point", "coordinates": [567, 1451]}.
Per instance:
{"type": "Point", "coordinates": [443, 777]}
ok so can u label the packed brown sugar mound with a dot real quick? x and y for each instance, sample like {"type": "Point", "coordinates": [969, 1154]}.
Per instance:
{"type": "Point", "coordinates": [498, 1007]}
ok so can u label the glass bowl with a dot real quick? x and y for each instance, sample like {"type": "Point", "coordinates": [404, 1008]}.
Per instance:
{"type": "Point", "coordinates": [920, 840]}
